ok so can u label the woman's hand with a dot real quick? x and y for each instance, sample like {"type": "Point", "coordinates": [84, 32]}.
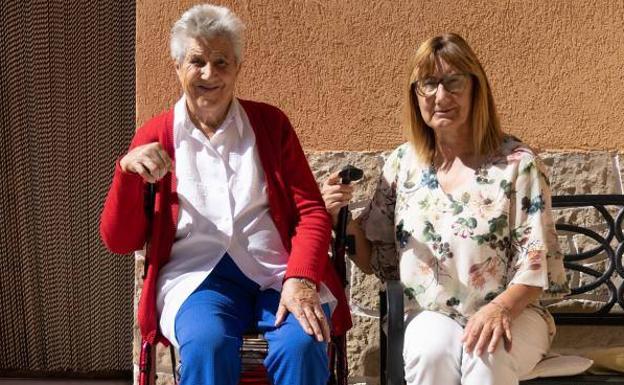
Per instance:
{"type": "Point", "coordinates": [336, 195]}
{"type": "Point", "coordinates": [486, 328]}
{"type": "Point", "coordinates": [150, 161]}
{"type": "Point", "coordinates": [299, 297]}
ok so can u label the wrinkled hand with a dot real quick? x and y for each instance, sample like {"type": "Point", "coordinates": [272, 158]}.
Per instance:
{"type": "Point", "coordinates": [336, 195]}
{"type": "Point", "coordinates": [150, 161]}
{"type": "Point", "coordinates": [486, 328]}
{"type": "Point", "coordinates": [300, 298]}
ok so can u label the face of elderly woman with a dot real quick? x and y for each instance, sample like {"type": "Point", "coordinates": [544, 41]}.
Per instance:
{"type": "Point", "coordinates": [445, 99]}
{"type": "Point", "coordinates": [208, 75]}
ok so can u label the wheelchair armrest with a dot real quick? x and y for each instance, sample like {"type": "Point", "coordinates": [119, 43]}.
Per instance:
{"type": "Point", "coordinates": [391, 303]}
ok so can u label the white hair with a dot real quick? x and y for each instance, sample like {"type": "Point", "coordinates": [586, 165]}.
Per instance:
{"type": "Point", "coordinates": [206, 21]}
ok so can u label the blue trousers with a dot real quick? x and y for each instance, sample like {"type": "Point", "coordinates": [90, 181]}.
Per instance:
{"type": "Point", "coordinates": [210, 324]}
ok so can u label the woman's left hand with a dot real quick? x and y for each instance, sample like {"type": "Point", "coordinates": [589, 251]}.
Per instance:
{"type": "Point", "coordinates": [486, 328]}
{"type": "Point", "coordinates": [300, 297]}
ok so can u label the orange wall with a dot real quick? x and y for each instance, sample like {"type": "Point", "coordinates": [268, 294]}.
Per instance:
{"type": "Point", "coordinates": [337, 66]}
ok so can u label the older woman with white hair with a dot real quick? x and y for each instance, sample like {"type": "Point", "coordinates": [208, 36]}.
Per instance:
{"type": "Point", "coordinates": [240, 234]}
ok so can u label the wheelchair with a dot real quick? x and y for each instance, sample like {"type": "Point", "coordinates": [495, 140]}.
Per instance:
{"type": "Point", "coordinates": [254, 348]}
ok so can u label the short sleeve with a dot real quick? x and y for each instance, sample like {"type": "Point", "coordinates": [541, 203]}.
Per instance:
{"type": "Point", "coordinates": [378, 220]}
{"type": "Point", "coordinates": [536, 257]}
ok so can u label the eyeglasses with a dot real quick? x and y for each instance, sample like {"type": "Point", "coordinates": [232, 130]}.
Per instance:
{"type": "Point", "coordinates": [454, 84]}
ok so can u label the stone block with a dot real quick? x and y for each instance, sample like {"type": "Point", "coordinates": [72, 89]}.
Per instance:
{"type": "Point", "coordinates": [363, 350]}
{"type": "Point", "coordinates": [586, 216]}
{"type": "Point", "coordinates": [574, 173]}
{"type": "Point", "coordinates": [619, 164]}
{"type": "Point", "coordinates": [163, 359]}
{"type": "Point", "coordinates": [325, 163]}
{"type": "Point", "coordinates": [164, 379]}
{"type": "Point", "coordinates": [364, 291]}
{"type": "Point", "coordinates": [601, 293]}
{"type": "Point", "coordinates": [138, 286]}
{"type": "Point", "coordinates": [583, 173]}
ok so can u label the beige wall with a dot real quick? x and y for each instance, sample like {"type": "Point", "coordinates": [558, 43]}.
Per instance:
{"type": "Point", "coordinates": [337, 67]}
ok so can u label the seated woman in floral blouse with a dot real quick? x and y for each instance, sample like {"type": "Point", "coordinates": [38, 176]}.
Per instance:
{"type": "Point", "coordinates": [462, 212]}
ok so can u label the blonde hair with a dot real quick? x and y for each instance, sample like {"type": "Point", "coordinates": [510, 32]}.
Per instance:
{"type": "Point", "coordinates": [453, 49]}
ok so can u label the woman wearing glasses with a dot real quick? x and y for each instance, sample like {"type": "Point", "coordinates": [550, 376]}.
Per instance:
{"type": "Point", "coordinates": [462, 216]}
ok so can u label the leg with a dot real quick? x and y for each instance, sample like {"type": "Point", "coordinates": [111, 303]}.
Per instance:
{"type": "Point", "coordinates": [295, 358]}
{"type": "Point", "coordinates": [530, 342]}
{"type": "Point", "coordinates": [432, 349]}
{"type": "Point", "coordinates": [209, 327]}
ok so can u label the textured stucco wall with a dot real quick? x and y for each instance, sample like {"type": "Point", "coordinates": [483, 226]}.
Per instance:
{"type": "Point", "coordinates": [337, 66]}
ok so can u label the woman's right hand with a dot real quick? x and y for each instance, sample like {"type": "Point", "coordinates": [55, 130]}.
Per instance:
{"type": "Point", "coordinates": [150, 161]}
{"type": "Point", "coordinates": [336, 195]}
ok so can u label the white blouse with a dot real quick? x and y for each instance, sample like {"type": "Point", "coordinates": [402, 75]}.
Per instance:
{"type": "Point", "coordinates": [223, 208]}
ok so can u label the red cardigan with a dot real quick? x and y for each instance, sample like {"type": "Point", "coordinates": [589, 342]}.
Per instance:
{"type": "Point", "coordinates": [295, 203]}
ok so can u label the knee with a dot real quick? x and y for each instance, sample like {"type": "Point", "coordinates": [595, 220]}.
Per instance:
{"type": "Point", "coordinates": [432, 362]}
{"type": "Point", "coordinates": [208, 346]}
{"type": "Point", "coordinates": [500, 361]}
{"type": "Point", "coordinates": [490, 369]}
{"type": "Point", "coordinates": [426, 355]}
{"type": "Point", "coordinates": [297, 358]}
{"type": "Point", "coordinates": [299, 345]}
{"type": "Point", "coordinates": [431, 339]}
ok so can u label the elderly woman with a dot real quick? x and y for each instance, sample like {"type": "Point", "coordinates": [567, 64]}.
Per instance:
{"type": "Point", "coordinates": [463, 211]}
{"type": "Point", "coordinates": [240, 233]}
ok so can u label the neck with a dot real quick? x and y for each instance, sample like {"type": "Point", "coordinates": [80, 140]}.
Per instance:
{"type": "Point", "coordinates": [452, 147]}
{"type": "Point", "coordinates": [208, 120]}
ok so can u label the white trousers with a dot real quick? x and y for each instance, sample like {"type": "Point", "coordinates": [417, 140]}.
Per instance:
{"type": "Point", "coordinates": [434, 354]}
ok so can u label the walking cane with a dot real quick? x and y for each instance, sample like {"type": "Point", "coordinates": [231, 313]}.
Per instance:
{"type": "Point", "coordinates": [147, 368]}
{"type": "Point", "coordinates": [342, 244]}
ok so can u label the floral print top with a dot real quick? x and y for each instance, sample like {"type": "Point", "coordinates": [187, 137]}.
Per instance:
{"type": "Point", "coordinates": [457, 251]}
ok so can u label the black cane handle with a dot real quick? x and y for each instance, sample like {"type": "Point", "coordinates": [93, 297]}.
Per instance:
{"type": "Point", "coordinates": [350, 174]}
{"type": "Point", "coordinates": [347, 175]}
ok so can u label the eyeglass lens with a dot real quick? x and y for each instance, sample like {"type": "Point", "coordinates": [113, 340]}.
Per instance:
{"type": "Point", "coordinates": [451, 83]}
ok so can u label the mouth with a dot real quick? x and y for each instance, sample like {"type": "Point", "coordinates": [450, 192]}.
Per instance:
{"type": "Point", "coordinates": [443, 112]}
{"type": "Point", "coordinates": [207, 87]}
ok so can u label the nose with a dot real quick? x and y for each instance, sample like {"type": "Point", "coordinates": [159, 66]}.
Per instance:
{"type": "Point", "coordinates": [441, 93]}
{"type": "Point", "coordinates": [206, 71]}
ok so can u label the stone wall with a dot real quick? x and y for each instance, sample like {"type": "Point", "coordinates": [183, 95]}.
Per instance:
{"type": "Point", "coordinates": [571, 173]}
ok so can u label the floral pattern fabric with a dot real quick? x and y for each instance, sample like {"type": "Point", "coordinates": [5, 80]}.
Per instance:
{"type": "Point", "coordinates": [454, 252]}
